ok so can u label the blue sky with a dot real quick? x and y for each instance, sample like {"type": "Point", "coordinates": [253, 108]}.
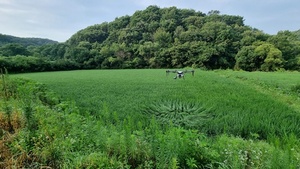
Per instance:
{"type": "Point", "coordinates": [60, 19]}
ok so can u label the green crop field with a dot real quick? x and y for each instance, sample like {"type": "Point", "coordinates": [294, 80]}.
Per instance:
{"type": "Point", "coordinates": [147, 119]}
{"type": "Point", "coordinates": [240, 103]}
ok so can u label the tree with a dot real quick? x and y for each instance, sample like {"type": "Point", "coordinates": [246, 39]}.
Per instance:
{"type": "Point", "coordinates": [197, 21]}
{"type": "Point", "coordinates": [259, 56]}
{"type": "Point", "coordinates": [180, 55]}
{"type": "Point", "coordinates": [271, 56]}
{"type": "Point", "coordinates": [250, 36]}
{"type": "Point", "coordinates": [222, 39]}
{"type": "Point", "coordinates": [96, 33]}
{"type": "Point", "coordinates": [150, 14]}
{"type": "Point", "coordinates": [273, 61]}
{"type": "Point", "coordinates": [147, 50]}
{"type": "Point", "coordinates": [52, 52]}
{"type": "Point", "coordinates": [80, 53]}
{"type": "Point", "coordinates": [289, 45]}
{"type": "Point", "coordinates": [13, 49]}
{"type": "Point", "coordinates": [168, 38]}
{"type": "Point", "coordinates": [213, 12]}
{"type": "Point", "coordinates": [162, 37]}
{"type": "Point", "coordinates": [246, 59]}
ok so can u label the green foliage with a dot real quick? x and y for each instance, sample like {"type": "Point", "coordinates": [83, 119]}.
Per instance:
{"type": "Point", "coordinates": [246, 59]}
{"type": "Point", "coordinates": [52, 51]}
{"type": "Point", "coordinates": [237, 102]}
{"type": "Point", "coordinates": [239, 153]}
{"type": "Point", "coordinates": [179, 113]}
{"type": "Point", "coordinates": [176, 148]}
{"type": "Point", "coordinates": [183, 37]}
{"type": "Point", "coordinates": [27, 96]}
{"type": "Point", "coordinates": [108, 130]}
{"type": "Point", "coordinates": [288, 44]}
{"type": "Point", "coordinates": [6, 94]}
{"type": "Point", "coordinates": [296, 89]}
{"type": "Point", "coordinates": [20, 64]}
{"type": "Point", "coordinates": [260, 56]}
{"type": "Point", "coordinates": [160, 38]}
{"type": "Point", "coordinates": [272, 57]}
{"type": "Point", "coordinates": [6, 39]}
{"type": "Point", "coordinates": [13, 49]}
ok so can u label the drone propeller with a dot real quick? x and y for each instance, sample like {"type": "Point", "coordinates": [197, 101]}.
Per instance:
{"type": "Point", "coordinates": [167, 72]}
{"type": "Point", "coordinates": [190, 71]}
{"type": "Point", "coordinates": [170, 71]}
{"type": "Point", "coordinates": [193, 72]}
{"type": "Point", "coordinates": [176, 71]}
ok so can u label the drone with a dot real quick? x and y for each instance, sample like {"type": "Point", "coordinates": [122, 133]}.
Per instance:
{"type": "Point", "coordinates": [180, 73]}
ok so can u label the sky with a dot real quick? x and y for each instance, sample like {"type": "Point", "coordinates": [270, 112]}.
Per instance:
{"type": "Point", "coordinates": [59, 19]}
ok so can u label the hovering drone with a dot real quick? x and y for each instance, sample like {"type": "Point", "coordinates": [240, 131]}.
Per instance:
{"type": "Point", "coordinates": [180, 73]}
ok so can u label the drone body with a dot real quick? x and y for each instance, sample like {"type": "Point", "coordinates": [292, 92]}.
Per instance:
{"type": "Point", "coordinates": [180, 73]}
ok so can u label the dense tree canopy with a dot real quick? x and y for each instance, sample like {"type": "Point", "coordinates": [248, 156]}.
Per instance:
{"type": "Point", "coordinates": [12, 49]}
{"type": "Point", "coordinates": [5, 39]}
{"type": "Point", "coordinates": [172, 38]}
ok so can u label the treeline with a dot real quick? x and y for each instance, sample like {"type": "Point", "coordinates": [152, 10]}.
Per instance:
{"type": "Point", "coordinates": [21, 63]}
{"type": "Point", "coordinates": [25, 55]}
{"type": "Point", "coordinates": [172, 38]}
{"type": "Point", "coordinates": [5, 39]}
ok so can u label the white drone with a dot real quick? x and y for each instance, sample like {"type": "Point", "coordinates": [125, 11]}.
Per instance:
{"type": "Point", "coordinates": [180, 73]}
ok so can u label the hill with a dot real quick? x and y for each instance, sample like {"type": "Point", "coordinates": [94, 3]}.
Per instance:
{"type": "Point", "coordinates": [174, 38]}
{"type": "Point", "coordinates": [167, 38]}
{"type": "Point", "coordinates": [5, 39]}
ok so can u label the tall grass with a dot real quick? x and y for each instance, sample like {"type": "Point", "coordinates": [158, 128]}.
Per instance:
{"type": "Point", "coordinates": [239, 108]}
{"type": "Point", "coordinates": [111, 136]}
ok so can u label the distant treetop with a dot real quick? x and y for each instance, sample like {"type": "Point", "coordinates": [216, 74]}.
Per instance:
{"type": "Point", "coordinates": [5, 39]}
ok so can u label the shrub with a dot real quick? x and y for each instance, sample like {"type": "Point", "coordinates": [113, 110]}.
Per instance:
{"type": "Point", "coordinates": [236, 152]}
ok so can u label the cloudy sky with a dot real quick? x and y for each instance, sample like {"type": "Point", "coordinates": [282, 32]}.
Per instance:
{"type": "Point", "coordinates": [60, 19]}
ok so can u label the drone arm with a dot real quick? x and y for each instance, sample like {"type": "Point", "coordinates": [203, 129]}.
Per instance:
{"type": "Point", "coordinates": [188, 71]}
{"type": "Point", "coordinates": [170, 71]}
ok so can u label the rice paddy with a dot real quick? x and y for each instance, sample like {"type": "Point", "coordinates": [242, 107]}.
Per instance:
{"type": "Point", "coordinates": [240, 102]}
{"type": "Point", "coordinates": [148, 119]}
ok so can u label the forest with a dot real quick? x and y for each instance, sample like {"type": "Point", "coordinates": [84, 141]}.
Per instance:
{"type": "Point", "coordinates": [159, 38]}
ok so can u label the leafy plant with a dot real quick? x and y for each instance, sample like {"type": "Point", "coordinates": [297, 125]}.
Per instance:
{"type": "Point", "coordinates": [296, 89]}
{"type": "Point", "coordinates": [179, 113]}
{"type": "Point", "coordinates": [6, 96]}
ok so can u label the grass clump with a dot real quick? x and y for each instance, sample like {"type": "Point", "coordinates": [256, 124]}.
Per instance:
{"type": "Point", "coordinates": [179, 113]}
{"type": "Point", "coordinates": [296, 89]}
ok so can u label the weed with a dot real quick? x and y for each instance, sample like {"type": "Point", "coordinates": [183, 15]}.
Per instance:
{"type": "Point", "coordinates": [179, 113]}
{"type": "Point", "coordinates": [5, 93]}
{"type": "Point", "coordinates": [296, 89]}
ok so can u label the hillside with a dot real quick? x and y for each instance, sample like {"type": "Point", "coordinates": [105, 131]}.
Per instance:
{"type": "Point", "coordinates": [5, 39]}
{"type": "Point", "coordinates": [166, 38]}
{"type": "Point", "coordinates": [174, 38]}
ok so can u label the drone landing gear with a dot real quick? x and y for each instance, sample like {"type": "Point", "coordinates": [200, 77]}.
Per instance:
{"type": "Point", "coordinates": [180, 73]}
{"type": "Point", "coordinates": [179, 76]}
